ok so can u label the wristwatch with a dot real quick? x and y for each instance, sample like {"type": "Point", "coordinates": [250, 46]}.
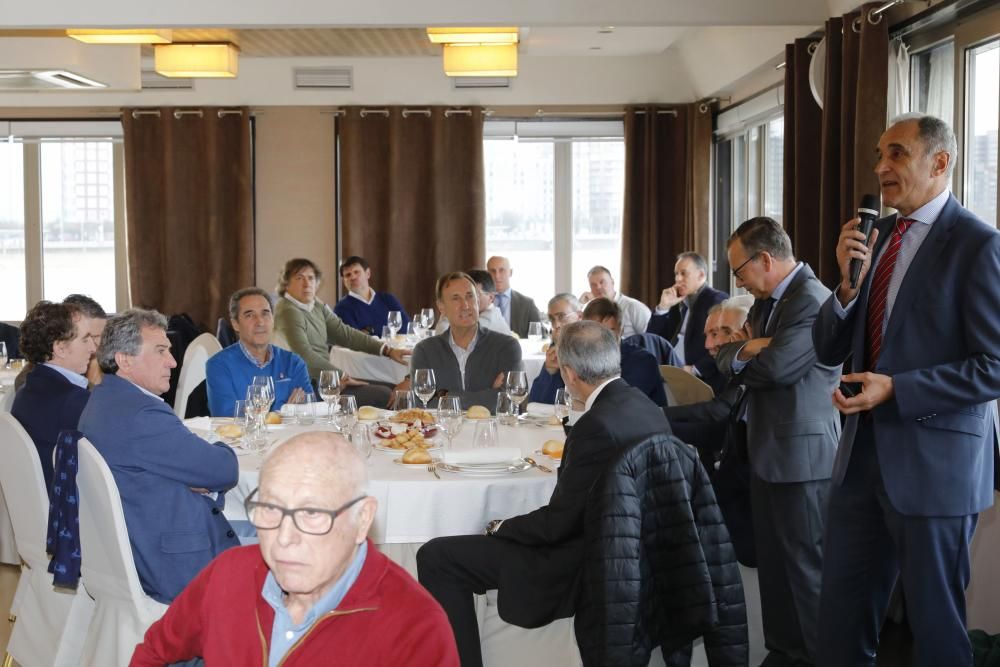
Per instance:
{"type": "Point", "coordinates": [493, 526]}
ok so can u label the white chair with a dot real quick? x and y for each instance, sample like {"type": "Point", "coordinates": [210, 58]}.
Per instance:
{"type": "Point", "coordinates": [51, 622]}
{"type": "Point", "coordinates": [683, 388]}
{"type": "Point", "coordinates": [124, 612]}
{"type": "Point", "coordinates": [278, 340]}
{"type": "Point", "coordinates": [196, 356]}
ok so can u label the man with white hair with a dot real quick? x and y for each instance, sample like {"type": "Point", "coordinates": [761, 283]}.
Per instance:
{"type": "Point", "coordinates": [315, 591]}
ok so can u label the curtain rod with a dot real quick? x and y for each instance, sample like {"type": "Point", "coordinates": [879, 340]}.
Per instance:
{"type": "Point", "coordinates": [180, 113]}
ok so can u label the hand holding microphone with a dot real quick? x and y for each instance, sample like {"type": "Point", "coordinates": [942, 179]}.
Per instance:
{"type": "Point", "coordinates": [857, 237]}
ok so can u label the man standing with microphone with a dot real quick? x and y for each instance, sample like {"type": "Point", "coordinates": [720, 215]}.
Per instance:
{"type": "Point", "coordinates": [920, 333]}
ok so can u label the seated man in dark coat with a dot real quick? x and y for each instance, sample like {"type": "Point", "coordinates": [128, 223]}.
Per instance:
{"type": "Point", "coordinates": [534, 559]}
{"type": "Point", "coordinates": [56, 338]}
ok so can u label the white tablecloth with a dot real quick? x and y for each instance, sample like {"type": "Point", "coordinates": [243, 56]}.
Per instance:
{"type": "Point", "coordinates": [383, 369]}
{"type": "Point", "coordinates": [8, 550]}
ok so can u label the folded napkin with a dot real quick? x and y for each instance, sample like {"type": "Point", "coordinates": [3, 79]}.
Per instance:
{"type": "Point", "coordinates": [541, 409]}
{"type": "Point", "coordinates": [487, 455]}
{"type": "Point", "coordinates": [199, 423]}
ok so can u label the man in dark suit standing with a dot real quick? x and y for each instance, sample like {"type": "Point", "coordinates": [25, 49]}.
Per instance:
{"type": "Point", "coordinates": [680, 317]}
{"type": "Point", "coordinates": [534, 559]}
{"type": "Point", "coordinates": [915, 464]}
{"type": "Point", "coordinates": [517, 309]}
{"type": "Point", "coordinates": [792, 432]}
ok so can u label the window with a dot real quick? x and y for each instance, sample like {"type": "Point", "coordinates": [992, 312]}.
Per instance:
{"type": "Point", "coordinates": [554, 198]}
{"type": "Point", "coordinates": [982, 113]}
{"type": "Point", "coordinates": [774, 177]}
{"type": "Point", "coordinates": [932, 81]}
{"type": "Point", "coordinates": [60, 188]}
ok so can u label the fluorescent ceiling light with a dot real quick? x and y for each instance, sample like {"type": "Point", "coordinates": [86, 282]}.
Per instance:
{"type": "Point", "coordinates": [140, 36]}
{"type": "Point", "coordinates": [480, 60]}
{"type": "Point", "coordinates": [472, 35]}
{"type": "Point", "coordinates": [197, 60]}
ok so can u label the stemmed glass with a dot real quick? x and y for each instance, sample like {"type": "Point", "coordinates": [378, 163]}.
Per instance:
{"type": "Point", "coordinates": [267, 382]}
{"type": "Point", "coordinates": [424, 384]}
{"type": "Point", "coordinates": [450, 416]}
{"type": "Point", "coordinates": [517, 388]}
{"type": "Point", "coordinates": [427, 318]}
{"type": "Point", "coordinates": [395, 322]}
{"type": "Point", "coordinates": [329, 390]}
{"type": "Point", "coordinates": [348, 413]}
{"type": "Point", "coordinates": [562, 404]}
{"type": "Point", "coordinates": [256, 407]}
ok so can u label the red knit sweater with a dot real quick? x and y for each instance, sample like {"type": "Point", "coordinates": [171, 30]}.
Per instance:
{"type": "Point", "coordinates": [386, 618]}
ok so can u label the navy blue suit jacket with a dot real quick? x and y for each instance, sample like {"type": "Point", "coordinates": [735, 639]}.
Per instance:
{"type": "Point", "coordinates": [46, 404]}
{"type": "Point", "coordinates": [668, 325]}
{"type": "Point", "coordinates": [639, 370]}
{"type": "Point", "coordinates": [941, 346]}
{"type": "Point", "coordinates": [155, 461]}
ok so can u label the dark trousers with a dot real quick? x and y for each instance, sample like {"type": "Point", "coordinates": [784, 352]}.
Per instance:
{"type": "Point", "coordinates": [788, 530]}
{"type": "Point", "coordinates": [868, 545]}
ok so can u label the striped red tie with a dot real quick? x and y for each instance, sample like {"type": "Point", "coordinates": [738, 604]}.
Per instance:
{"type": "Point", "coordinates": [879, 293]}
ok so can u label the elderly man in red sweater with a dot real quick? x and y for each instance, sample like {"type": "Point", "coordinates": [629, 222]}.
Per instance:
{"type": "Point", "coordinates": [316, 591]}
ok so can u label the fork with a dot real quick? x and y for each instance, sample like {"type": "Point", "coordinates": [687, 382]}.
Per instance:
{"type": "Point", "coordinates": [432, 468]}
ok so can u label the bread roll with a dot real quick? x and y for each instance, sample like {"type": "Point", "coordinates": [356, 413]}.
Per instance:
{"type": "Point", "coordinates": [416, 455]}
{"type": "Point", "coordinates": [368, 413]}
{"type": "Point", "coordinates": [553, 448]}
{"type": "Point", "coordinates": [273, 418]}
{"type": "Point", "coordinates": [478, 412]}
{"type": "Point", "coordinates": [230, 431]}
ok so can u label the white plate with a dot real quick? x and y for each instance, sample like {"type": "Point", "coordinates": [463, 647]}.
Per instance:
{"type": "Point", "coordinates": [481, 471]}
{"type": "Point", "coordinates": [423, 466]}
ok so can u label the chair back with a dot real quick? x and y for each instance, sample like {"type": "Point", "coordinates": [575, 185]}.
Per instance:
{"type": "Point", "coordinates": [278, 340]}
{"type": "Point", "coordinates": [684, 388]}
{"type": "Point", "coordinates": [24, 491]}
{"type": "Point", "coordinates": [124, 611]}
{"type": "Point", "coordinates": [192, 374]}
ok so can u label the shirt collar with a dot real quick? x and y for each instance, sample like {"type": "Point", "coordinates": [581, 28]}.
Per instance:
{"type": "Point", "coordinates": [274, 596]}
{"type": "Point", "coordinates": [931, 211]}
{"type": "Point", "coordinates": [597, 390]}
{"type": "Point", "coordinates": [75, 378]}
{"type": "Point", "coordinates": [361, 298]}
{"type": "Point", "coordinates": [779, 291]}
{"type": "Point", "coordinates": [298, 303]}
{"type": "Point", "coordinates": [252, 359]}
{"type": "Point", "coordinates": [458, 348]}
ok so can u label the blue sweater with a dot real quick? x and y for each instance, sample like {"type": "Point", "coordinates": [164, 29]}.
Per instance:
{"type": "Point", "coordinates": [639, 369]}
{"type": "Point", "coordinates": [369, 318]}
{"type": "Point", "coordinates": [230, 372]}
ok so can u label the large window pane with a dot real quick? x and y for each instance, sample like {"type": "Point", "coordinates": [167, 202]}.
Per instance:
{"type": "Point", "coordinates": [12, 273]}
{"type": "Point", "coordinates": [774, 178]}
{"type": "Point", "coordinates": [78, 222]}
{"type": "Point", "coordinates": [598, 197]}
{"type": "Point", "coordinates": [983, 108]}
{"type": "Point", "coordinates": [739, 183]}
{"type": "Point", "coordinates": [753, 173]}
{"type": "Point", "coordinates": [520, 212]}
{"type": "Point", "coordinates": [932, 82]}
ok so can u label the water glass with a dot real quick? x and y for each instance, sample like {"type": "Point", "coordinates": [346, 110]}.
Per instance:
{"type": "Point", "coordinates": [240, 417]}
{"type": "Point", "coordinates": [305, 410]}
{"type": "Point", "coordinates": [386, 333]}
{"type": "Point", "coordinates": [535, 331]}
{"type": "Point", "coordinates": [424, 384]}
{"type": "Point", "coordinates": [450, 416]}
{"type": "Point", "coordinates": [485, 434]}
{"type": "Point", "coordinates": [361, 438]}
{"type": "Point", "coordinates": [563, 403]}
{"type": "Point", "coordinates": [506, 411]}
{"type": "Point", "coordinates": [402, 400]}
{"type": "Point", "coordinates": [347, 411]}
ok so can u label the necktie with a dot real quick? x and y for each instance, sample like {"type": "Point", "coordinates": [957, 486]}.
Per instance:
{"type": "Point", "coordinates": [501, 299]}
{"type": "Point", "coordinates": [878, 296]}
{"type": "Point", "coordinates": [765, 314]}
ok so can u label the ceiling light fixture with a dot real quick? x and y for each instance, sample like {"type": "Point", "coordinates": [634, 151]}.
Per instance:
{"type": "Point", "coordinates": [480, 59]}
{"type": "Point", "coordinates": [137, 36]}
{"type": "Point", "coordinates": [197, 60]}
{"type": "Point", "coordinates": [472, 35]}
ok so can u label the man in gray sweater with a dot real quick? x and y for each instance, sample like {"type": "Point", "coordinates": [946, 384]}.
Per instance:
{"type": "Point", "coordinates": [468, 361]}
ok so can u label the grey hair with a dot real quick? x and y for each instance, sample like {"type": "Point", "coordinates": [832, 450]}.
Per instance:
{"type": "Point", "coordinates": [763, 234]}
{"type": "Point", "coordinates": [238, 295]}
{"type": "Point", "coordinates": [591, 350]}
{"type": "Point", "coordinates": [123, 333]}
{"type": "Point", "coordinates": [573, 302]}
{"type": "Point", "coordinates": [715, 310]}
{"type": "Point", "coordinates": [738, 304]}
{"type": "Point", "coordinates": [696, 259]}
{"type": "Point", "coordinates": [936, 135]}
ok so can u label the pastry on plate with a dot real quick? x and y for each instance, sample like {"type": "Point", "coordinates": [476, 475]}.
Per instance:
{"type": "Point", "coordinates": [413, 415]}
{"type": "Point", "coordinates": [478, 412]}
{"type": "Point", "coordinates": [368, 413]}
{"type": "Point", "coordinates": [230, 431]}
{"type": "Point", "coordinates": [416, 455]}
{"type": "Point", "coordinates": [553, 448]}
{"type": "Point", "coordinates": [273, 418]}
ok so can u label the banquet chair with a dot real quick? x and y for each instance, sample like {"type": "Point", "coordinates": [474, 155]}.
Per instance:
{"type": "Point", "coordinates": [192, 374]}
{"type": "Point", "coordinates": [684, 388]}
{"type": "Point", "coordinates": [123, 611]}
{"type": "Point", "coordinates": [51, 622]}
{"type": "Point", "coordinates": [278, 339]}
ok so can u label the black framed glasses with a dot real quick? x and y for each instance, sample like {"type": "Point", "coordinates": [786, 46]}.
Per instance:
{"type": "Point", "coordinates": [736, 271]}
{"type": "Point", "coordinates": [309, 520]}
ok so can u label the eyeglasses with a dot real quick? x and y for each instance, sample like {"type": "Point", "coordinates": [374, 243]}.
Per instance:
{"type": "Point", "coordinates": [736, 271]}
{"type": "Point", "coordinates": [561, 317]}
{"type": "Point", "coordinates": [310, 520]}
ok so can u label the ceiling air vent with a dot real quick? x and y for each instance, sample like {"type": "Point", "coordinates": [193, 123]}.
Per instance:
{"type": "Point", "coordinates": [464, 82]}
{"type": "Point", "coordinates": [31, 80]}
{"type": "Point", "coordinates": [153, 81]}
{"type": "Point", "coordinates": [313, 78]}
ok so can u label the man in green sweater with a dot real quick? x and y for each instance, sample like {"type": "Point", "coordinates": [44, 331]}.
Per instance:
{"type": "Point", "coordinates": [311, 328]}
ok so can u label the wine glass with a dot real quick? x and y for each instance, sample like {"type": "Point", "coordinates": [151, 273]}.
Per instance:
{"type": "Point", "coordinates": [395, 322]}
{"type": "Point", "coordinates": [427, 318]}
{"type": "Point", "coordinates": [402, 400]}
{"type": "Point", "coordinates": [267, 382]}
{"type": "Point", "coordinates": [329, 389]}
{"type": "Point", "coordinates": [347, 413]}
{"type": "Point", "coordinates": [450, 416]}
{"type": "Point", "coordinates": [424, 384]}
{"type": "Point", "coordinates": [361, 438]}
{"type": "Point", "coordinates": [256, 406]}
{"type": "Point", "coordinates": [517, 387]}
{"type": "Point", "coordinates": [562, 404]}
{"type": "Point", "coordinates": [535, 332]}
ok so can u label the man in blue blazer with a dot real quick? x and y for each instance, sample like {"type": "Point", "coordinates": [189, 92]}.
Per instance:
{"type": "Point", "coordinates": [921, 334]}
{"type": "Point", "coordinates": [56, 338]}
{"type": "Point", "coordinates": [172, 483]}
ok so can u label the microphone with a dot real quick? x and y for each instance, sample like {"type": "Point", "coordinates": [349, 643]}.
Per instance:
{"type": "Point", "coordinates": [868, 211]}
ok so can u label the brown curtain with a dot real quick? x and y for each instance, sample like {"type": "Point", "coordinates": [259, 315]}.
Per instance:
{"type": "Point", "coordinates": [412, 198]}
{"type": "Point", "coordinates": [189, 204]}
{"type": "Point", "coordinates": [667, 181]}
{"type": "Point", "coordinates": [852, 119]}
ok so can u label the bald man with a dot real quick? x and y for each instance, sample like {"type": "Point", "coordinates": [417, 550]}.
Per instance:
{"type": "Point", "coordinates": [315, 587]}
{"type": "Point", "coordinates": [517, 309]}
